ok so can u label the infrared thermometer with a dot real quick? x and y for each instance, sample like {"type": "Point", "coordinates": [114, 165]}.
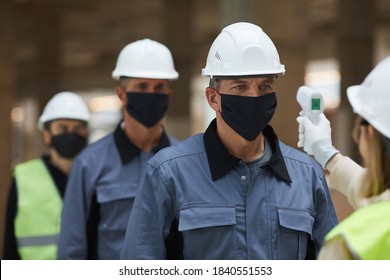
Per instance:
{"type": "Point", "coordinates": [312, 104]}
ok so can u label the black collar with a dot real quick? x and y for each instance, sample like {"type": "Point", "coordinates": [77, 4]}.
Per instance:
{"type": "Point", "coordinates": [59, 177]}
{"type": "Point", "coordinates": [221, 162]}
{"type": "Point", "coordinates": [127, 150]}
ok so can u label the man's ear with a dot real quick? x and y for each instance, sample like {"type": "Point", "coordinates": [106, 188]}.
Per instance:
{"type": "Point", "coordinates": [121, 93]}
{"type": "Point", "coordinates": [213, 98]}
{"type": "Point", "coordinates": [46, 137]}
{"type": "Point", "coordinates": [371, 130]}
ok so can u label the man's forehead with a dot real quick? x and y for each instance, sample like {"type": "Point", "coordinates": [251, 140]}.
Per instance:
{"type": "Point", "coordinates": [66, 121]}
{"type": "Point", "coordinates": [145, 80]}
{"type": "Point", "coordinates": [243, 80]}
{"type": "Point", "coordinates": [267, 76]}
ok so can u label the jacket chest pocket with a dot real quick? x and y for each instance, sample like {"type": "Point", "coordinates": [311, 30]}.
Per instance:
{"type": "Point", "coordinates": [295, 230]}
{"type": "Point", "coordinates": [208, 231]}
{"type": "Point", "coordinates": [115, 204]}
{"type": "Point", "coordinates": [110, 193]}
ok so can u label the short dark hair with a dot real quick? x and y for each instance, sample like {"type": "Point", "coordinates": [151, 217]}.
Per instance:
{"type": "Point", "coordinates": [214, 83]}
{"type": "Point", "coordinates": [46, 125]}
{"type": "Point", "coordinates": [123, 80]}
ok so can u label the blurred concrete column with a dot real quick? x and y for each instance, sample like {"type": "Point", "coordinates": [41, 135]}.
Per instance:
{"type": "Point", "coordinates": [38, 66]}
{"type": "Point", "coordinates": [178, 38]}
{"type": "Point", "coordinates": [235, 11]}
{"type": "Point", "coordinates": [284, 22]}
{"type": "Point", "coordinates": [355, 45]}
{"type": "Point", "coordinates": [46, 17]}
{"type": "Point", "coordinates": [7, 92]}
{"type": "Point", "coordinates": [355, 53]}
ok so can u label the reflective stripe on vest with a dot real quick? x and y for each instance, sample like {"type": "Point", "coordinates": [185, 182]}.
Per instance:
{"type": "Point", "coordinates": [366, 232]}
{"type": "Point", "coordinates": [37, 222]}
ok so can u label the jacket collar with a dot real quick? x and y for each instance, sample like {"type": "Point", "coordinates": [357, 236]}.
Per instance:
{"type": "Point", "coordinates": [127, 150]}
{"type": "Point", "coordinates": [221, 162]}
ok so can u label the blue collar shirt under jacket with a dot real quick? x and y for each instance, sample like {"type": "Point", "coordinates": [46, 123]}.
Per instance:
{"type": "Point", "coordinates": [283, 211]}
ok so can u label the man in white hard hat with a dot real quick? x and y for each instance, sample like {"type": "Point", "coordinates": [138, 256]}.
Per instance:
{"type": "Point", "coordinates": [237, 191]}
{"type": "Point", "coordinates": [38, 186]}
{"type": "Point", "coordinates": [104, 178]}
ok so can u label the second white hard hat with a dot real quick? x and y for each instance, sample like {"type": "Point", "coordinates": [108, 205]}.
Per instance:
{"type": "Point", "coordinates": [145, 59]}
{"type": "Point", "coordinates": [64, 105]}
{"type": "Point", "coordinates": [371, 99]}
{"type": "Point", "coordinates": [242, 49]}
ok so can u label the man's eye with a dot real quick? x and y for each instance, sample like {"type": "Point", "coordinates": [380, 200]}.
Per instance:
{"type": "Point", "coordinates": [143, 87]}
{"type": "Point", "coordinates": [79, 130]}
{"type": "Point", "coordinates": [160, 87]}
{"type": "Point", "coordinates": [63, 129]}
{"type": "Point", "coordinates": [266, 88]}
{"type": "Point", "coordinates": [239, 87]}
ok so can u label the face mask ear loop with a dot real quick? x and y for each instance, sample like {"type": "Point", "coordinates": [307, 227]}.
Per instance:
{"type": "Point", "coordinates": [214, 89]}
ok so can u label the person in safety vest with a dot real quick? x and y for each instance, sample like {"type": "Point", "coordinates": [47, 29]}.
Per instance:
{"type": "Point", "coordinates": [236, 190]}
{"type": "Point", "coordinates": [37, 189]}
{"type": "Point", "coordinates": [103, 182]}
{"type": "Point", "coordinates": [366, 233]}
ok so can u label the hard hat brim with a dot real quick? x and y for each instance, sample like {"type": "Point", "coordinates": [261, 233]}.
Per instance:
{"type": "Point", "coordinates": [149, 75]}
{"type": "Point", "coordinates": [352, 94]}
{"type": "Point", "coordinates": [207, 72]}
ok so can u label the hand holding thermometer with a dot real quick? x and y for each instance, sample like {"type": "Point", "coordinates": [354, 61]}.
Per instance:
{"type": "Point", "coordinates": [312, 104]}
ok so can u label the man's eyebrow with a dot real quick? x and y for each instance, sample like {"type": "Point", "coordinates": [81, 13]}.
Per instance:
{"type": "Point", "coordinates": [240, 81]}
{"type": "Point", "coordinates": [268, 80]}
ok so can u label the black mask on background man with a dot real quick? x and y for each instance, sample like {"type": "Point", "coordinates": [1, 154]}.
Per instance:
{"type": "Point", "coordinates": [248, 115]}
{"type": "Point", "coordinates": [147, 108]}
{"type": "Point", "coordinates": [68, 145]}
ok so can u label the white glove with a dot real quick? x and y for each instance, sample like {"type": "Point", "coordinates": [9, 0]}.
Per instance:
{"type": "Point", "coordinates": [316, 139]}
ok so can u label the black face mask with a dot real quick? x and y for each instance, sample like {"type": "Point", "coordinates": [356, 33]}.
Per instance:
{"type": "Point", "coordinates": [248, 116]}
{"type": "Point", "coordinates": [68, 145]}
{"type": "Point", "coordinates": [147, 108]}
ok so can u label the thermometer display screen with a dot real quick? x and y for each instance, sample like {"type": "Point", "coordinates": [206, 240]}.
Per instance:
{"type": "Point", "coordinates": [315, 104]}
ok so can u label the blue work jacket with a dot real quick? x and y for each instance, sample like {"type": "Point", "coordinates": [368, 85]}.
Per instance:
{"type": "Point", "coordinates": [99, 197]}
{"type": "Point", "coordinates": [283, 212]}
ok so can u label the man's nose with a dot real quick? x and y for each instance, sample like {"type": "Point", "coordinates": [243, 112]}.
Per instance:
{"type": "Point", "coordinates": [73, 129]}
{"type": "Point", "coordinates": [253, 91]}
{"type": "Point", "coordinates": [150, 89]}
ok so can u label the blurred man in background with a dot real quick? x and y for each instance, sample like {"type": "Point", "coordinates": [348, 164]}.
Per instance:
{"type": "Point", "coordinates": [104, 178]}
{"type": "Point", "coordinates": [37, 190]}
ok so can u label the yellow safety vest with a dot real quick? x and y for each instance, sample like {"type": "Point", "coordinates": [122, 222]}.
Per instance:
{"type": "Point", "coordinates": [366, 232]}
{"type": "Point", "coordinates": [38, 218]}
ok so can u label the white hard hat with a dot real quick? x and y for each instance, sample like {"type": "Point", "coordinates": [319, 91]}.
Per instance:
{"type": "Point", "coordinates": [371, 99]}
{"type": "Point", "coordinates": [64, 105]}
{"type": "Point", "coordinates": [145, 59]}
{"type": "Point", "coordinates": [242, 49]}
